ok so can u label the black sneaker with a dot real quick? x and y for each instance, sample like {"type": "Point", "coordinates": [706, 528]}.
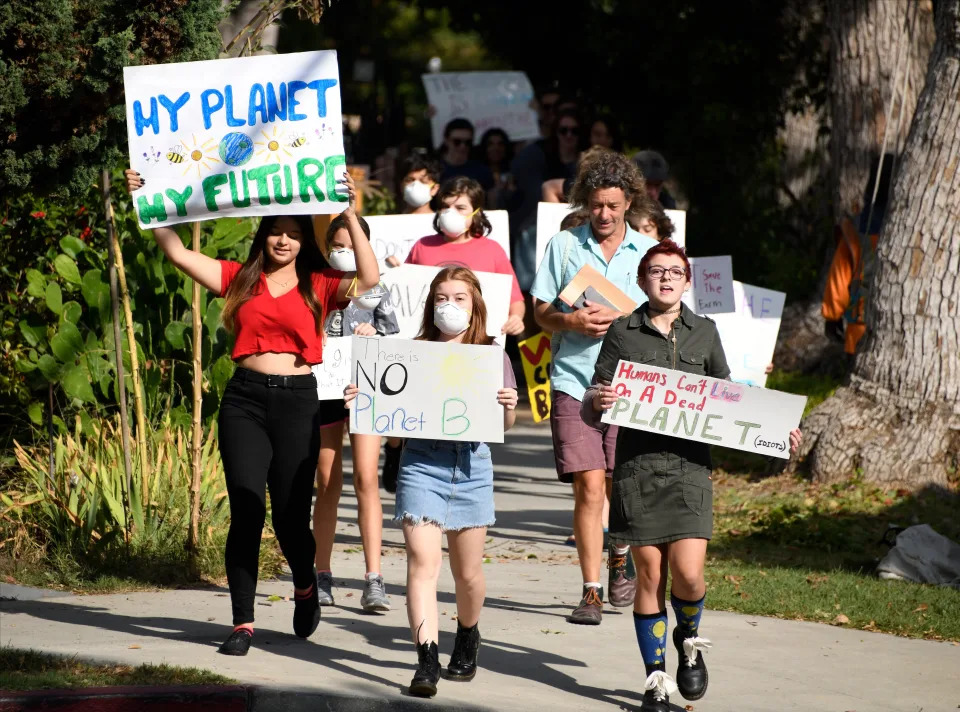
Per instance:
{"type": "Point", "coordinates": [692, 675]}
{"type": "Point", "coordinates": [306, 613]}
{"type": "Point", "coordinates": [391, 467]}
{"type": "Point", "coordinates": [238, 643]}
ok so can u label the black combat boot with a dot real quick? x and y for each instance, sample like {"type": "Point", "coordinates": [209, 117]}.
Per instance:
{"type": "Point", "coordinates": [424, 683]}
{"type": "Point", "coordinates": [691, 670]}
{"type": "Point", "coordinates": [463, 659]}
{"type": "Point", "coordinates": [657, 689]}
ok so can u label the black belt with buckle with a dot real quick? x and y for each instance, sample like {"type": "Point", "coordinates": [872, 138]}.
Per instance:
{"type": "Point", "coordinates": [270, 380]}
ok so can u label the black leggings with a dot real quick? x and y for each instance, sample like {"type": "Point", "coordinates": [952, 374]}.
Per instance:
{"type": "Point", "coordinates": [269, 437]}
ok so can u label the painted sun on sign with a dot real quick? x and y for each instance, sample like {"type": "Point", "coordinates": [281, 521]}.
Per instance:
{"type": "Point", "coordinates": [200, 154]}
{"type": "Point", "coordinates": [271, 148]}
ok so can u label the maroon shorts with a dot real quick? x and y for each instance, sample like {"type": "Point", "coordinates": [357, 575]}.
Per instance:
{"type": "Point", "coordinates": [578, 447]}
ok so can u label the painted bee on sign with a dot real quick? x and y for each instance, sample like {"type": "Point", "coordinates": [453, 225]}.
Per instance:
{"type": "Point", "coordinates": [175, 155]}
{"type": "Point", "coordinates": [298, 141]}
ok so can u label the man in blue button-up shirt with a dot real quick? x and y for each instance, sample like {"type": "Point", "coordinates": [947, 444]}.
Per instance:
{"type": "Point", "coordinates": [606, 187]}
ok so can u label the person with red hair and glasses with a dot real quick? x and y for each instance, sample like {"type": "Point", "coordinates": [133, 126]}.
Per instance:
{"type": "Point", "coordinates": [661, 503]}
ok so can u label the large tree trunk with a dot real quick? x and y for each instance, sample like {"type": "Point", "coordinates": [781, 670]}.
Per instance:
{"type": "Point", "coordinates": [864, 39]}
{"type": "Point", "coordinates": [898, 420]}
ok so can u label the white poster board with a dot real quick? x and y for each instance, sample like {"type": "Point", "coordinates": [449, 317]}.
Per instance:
{"type": "Point", "coordinates": [550, 215]}
{"type": "Point", "coordinates": [409, 286]}
{"type": "Point", "coordinates": [249, 136]}
{"type": "Point", "coordinates": [394, 235]}
{"type": "Point", "coordinates": [708, 410]}
{"type": "Point", "coordinates": [490, 100]}
{"type": "Point", "coordinates": [333, 374]}
{"type": "Point", "coordinates": [711, 288]}
{"type": "Point", "coordinates": [427, 389]}
{"type": "Point", "coordinates": [749, 335]}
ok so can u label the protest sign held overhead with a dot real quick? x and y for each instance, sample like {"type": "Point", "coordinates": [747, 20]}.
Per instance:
{"type": "Point", "coordinates": [711, 285]}
{"type": "Point", "coordinates": [248, 136]}
{"type": "Point", "coordinates": [427, 389]}
{"type": "Point", "coordinates": [708, 410]}
{"type": "Point", "coordinates": [395, 235]}
{"type": "Point", "coordinates": [409, 287]}
{"type": "Point", "coordinates": [487, 99]}
{"type": "Point", "coordinates": [749, 334]}
{"type": "Point", "coordinates": [535, 356]}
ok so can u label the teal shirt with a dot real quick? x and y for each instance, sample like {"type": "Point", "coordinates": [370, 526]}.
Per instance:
{"type": "Point", "coordinates": [575, 355]}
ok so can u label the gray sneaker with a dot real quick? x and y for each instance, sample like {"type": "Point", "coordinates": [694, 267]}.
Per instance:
{"type": "Point", "coordinates": [325, 588]}
{"type": "Point", "coordinates": [374, 598]}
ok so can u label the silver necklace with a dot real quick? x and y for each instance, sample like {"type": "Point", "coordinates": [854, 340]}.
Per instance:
{"type": "Point", "coordinates": [277, 282]}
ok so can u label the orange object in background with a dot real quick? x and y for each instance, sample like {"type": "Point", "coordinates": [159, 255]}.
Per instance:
{"type": "Point", "coordinates": [847, 265]}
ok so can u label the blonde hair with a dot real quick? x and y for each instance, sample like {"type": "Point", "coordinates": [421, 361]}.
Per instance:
{"type": "Point", "coordinates": [476, 333]}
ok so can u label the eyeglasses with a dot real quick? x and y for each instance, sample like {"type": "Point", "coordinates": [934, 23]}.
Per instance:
{"type": "Point", "coordinates": [568, 131]}
{"type": "Point", "coordinates": [460, 142]}
{"type": "Point", "coordinates": [674, 272]}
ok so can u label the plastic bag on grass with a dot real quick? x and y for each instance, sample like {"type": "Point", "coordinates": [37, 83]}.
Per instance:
{"type": "Point", "coordinates": [924, 556]}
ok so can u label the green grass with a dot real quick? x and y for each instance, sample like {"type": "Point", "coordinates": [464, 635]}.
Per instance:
{"type": "Point", "coordinates": [785, 548]}
{"type": "Point", "coordinates": [30, 670]}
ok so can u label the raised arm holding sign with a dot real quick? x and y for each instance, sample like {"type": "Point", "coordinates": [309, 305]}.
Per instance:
{"type": "Point", "coordinates": [275, 302]}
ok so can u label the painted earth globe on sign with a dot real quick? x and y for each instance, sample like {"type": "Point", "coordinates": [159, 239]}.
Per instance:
{"type": "Point", "coordinates": [236, 148]}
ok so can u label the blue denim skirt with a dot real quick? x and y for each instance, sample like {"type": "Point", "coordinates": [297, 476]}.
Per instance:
{"type": "Point", "coordinates": [446, 483]}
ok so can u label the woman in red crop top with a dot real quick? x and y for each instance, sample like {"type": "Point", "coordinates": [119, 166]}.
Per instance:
{"type": "Point", "coordinates": [268, 430]}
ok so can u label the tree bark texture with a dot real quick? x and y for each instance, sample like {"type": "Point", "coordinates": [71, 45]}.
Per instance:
{"type": "Point", "coordinates": [864, 39]}
{"type": "Point", "coordinates": [898, 420]}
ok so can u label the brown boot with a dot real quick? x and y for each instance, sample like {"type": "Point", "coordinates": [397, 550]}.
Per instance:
{"type": "Point", "coordinates": [590, 610]}
{"type": "Point", "coordinates": [622, 590]}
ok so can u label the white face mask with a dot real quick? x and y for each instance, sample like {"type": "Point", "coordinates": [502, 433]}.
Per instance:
{"type": "Point", "coordinates": [367, 301]}
{"type": "Point", "coordinates": [452, 223]}
{"type": "Point", "coordinates": [416, 194]}
{"type": "Point", "coordinates": [343, 260]}
{"type": "Point", "coordinates": [450, 319]}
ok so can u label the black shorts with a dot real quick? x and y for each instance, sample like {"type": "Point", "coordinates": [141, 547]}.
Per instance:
{"type": "Point", "coordinates": [332, 412]}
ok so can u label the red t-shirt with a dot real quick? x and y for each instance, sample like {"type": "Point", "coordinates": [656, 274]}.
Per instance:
{"type": "Point", "coordinates": [481, 254]}
{"type": "Point", "coordinates": [284, 324]}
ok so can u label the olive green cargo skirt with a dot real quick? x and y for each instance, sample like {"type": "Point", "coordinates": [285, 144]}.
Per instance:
{"type": "Point", "coordinates": [658, 498]}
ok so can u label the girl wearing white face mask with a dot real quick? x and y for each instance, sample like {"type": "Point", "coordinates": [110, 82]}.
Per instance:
{"type": "Point", "coordinates": [367, 314]}
{"type": "Point", "coordinates": [461, 239]}
{"type": "Point", "coordinates": [447, 487]}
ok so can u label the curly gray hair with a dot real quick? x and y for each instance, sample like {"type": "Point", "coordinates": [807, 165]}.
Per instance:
{"type": "Point", "coordinates": [602, 168]}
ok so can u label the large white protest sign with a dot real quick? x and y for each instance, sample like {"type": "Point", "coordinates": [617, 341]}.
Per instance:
{"type": "Point", "coordinates": [711, 285]}
{"type": "Point", "coordinates": [394, 235]}
{"type": "Point", "coordinates": [409, 287]}
{"type": "Point", "coordinates": [550, 215]}
{"type": "Point", "coordinates": [333, 374]}
{"type": "Point", "coordinates": [749, 335]}
{"type": "Point", "coordinates": [490, 100]}
{"type": "Point", "coordinates": [427, 389]}
{"type": "Point", "coordinates": [248, 136]}
{"type": "Point", "coordinates": [708, 410]}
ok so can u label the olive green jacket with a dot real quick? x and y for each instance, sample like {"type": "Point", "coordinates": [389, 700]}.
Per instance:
{"type": "Point", "coordinates": [693, 346]}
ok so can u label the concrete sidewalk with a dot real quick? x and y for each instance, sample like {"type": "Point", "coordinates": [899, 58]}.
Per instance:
{"type": "Point", "coordinates": [531, 658]}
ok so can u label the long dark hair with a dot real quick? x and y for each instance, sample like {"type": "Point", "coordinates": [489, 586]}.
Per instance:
{"type": "Point", "coordinates": [477, 331]}
{"type": "Point", "coordinates": [247, 282]}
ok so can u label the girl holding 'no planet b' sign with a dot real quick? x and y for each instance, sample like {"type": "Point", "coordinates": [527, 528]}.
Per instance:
{"type": "Point", "coordinates": [662, 499]}
{"type": "Point", "coordinates": [268, 432]}
{"type": "Point", "coordinates": [447, 486]}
